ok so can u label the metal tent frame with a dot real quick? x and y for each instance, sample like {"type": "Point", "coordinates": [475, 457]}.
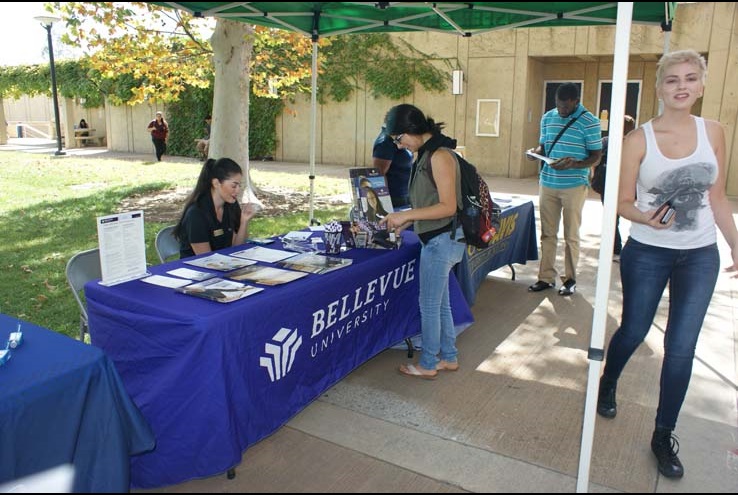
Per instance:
{"type": "Point", "coordinates": [317, 19]}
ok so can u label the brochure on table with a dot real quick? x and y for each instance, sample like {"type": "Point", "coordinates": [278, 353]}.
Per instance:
{"type": "Point", "coordinates": [220, 290]}
{"type": "Point", "coordinates": [315, 263]}
{"type": "Point", "coordinates": [259, 253]}
{"type": "Point", "coordinates": [221, 262]}
{"type": "Point", "coordinates": [122, 247]}
{"type": "Point", "coordinates": [266, 275]}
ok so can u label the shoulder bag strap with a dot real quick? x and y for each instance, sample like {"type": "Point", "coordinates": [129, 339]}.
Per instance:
{"type": "Point", "coordinates": [561, 133]}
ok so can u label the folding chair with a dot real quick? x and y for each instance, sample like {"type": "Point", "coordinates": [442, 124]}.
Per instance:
{"type": "Point", "coordinates": [81, 268]}
{"type": "Point", "coordinates": [166, 244]}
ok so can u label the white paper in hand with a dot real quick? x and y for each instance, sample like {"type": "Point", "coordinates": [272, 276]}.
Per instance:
{"type": "Point", "coordinates": [546, 159]}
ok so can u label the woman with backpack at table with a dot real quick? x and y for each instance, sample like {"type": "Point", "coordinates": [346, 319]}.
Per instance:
{"type": "Point", "coordinates": [212, 219]}
{"type": "Point", "coordinates": [435, 196]}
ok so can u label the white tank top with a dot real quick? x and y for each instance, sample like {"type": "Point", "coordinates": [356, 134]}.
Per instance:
{"type": "Point", "coordinates": [685, 183]}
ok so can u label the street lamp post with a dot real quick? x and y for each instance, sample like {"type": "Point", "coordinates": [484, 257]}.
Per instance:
{"type": "Point", "coordinates": [47, 21]}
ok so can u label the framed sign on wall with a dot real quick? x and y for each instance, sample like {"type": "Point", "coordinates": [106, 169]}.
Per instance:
{"type": "Point", "coordinates": [488, 118]}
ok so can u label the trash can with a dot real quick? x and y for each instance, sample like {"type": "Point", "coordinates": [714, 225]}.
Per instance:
{"type": "Point", "coordinates": [19, 130]}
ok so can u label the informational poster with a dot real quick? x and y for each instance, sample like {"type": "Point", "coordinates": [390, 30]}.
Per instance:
{"type": "Point", "coordinates": [122, 247]}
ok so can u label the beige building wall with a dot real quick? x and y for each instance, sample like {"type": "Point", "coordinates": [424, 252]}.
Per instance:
{"type": "Point", "coordinates": [509, 65]}
{"type": "Point", "coordinates": [37, 113]}
{"type": "Point", "coordinates": [512, 66]}
{"type": "Point", "coordinates": [127, 128]}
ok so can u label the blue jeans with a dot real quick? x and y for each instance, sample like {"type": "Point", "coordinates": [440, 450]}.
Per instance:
{"type": "Point", "coordinates": [437, 258]}
{"type": "Point", "coordinates": [644, 272]}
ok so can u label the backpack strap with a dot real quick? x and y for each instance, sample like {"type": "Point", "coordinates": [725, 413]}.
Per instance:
{"type": "Point", "coordinates": [455, 221]}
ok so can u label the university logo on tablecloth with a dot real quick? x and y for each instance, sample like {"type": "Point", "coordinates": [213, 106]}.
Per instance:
{"type": "Point", "coordinates": [281, 353]}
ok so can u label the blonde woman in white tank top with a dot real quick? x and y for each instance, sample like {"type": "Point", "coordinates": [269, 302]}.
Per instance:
{"type": "Point", "coordinates": [676, 161]}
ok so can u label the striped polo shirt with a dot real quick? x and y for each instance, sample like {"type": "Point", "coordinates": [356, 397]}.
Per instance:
{"type": "Point", "coordinates": [580, 138]}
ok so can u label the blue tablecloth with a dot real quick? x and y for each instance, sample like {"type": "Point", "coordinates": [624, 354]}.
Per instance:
{"type": "Point", "coordinates": [515, 242]}
{"type": "Point", "coordinates": [213, 379]}
{"type": "Point", "coordinates": [62, 401]}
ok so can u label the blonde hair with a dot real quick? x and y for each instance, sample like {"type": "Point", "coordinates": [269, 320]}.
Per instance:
{"type": "Point", "coordinates": [682, 56]}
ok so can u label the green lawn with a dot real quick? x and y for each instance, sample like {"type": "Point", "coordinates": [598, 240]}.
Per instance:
{"type": "Point", "coordinates": [48, 210]}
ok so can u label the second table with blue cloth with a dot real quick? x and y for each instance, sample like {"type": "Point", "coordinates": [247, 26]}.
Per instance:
{"type": "Point", "coordinates": [62, 402]}
{"type": "Point", "coordinates": [515, 242]}
{"type": "Point", "coordinates": [213, 379]}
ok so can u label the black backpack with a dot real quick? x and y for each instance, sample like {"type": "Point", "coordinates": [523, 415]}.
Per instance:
{"type": "Point", "coordinates": [480, 215]}
{"type": "Point", "coordinates": [598, 175]}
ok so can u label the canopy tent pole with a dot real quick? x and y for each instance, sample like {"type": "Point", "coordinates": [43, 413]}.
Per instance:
{"type": "Point", "coordinates": [599, 319]}
{"type": "Point", "coordinates": [313, 115]}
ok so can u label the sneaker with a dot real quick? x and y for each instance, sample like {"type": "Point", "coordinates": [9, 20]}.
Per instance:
{"type": "Point", "coordinates": [569, 287]}
{"type": "Point", "coordinates": [540, 285]}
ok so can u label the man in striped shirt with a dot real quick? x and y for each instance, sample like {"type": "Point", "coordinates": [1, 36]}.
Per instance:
{"type": "Point", "coordinates": [563, 184]}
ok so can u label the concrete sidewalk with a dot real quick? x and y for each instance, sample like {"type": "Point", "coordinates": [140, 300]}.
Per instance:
{"type": "Point", "coordinates": [510, 420]}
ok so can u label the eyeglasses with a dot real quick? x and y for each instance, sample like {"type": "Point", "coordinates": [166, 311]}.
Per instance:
{"type": "Point", "coordinates": [398, 138]}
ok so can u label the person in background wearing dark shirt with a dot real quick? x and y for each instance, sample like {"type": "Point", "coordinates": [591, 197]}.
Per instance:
{"type": "Point", "coordinates": [159, 130]}
{"type": "Point", "coordinates": [83, 125]}
{"type": "Point", "coordinates": [395, 164]}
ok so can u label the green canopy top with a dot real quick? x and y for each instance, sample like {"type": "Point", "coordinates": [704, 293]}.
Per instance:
{"type": "Point", "coordinates": [464, 19]}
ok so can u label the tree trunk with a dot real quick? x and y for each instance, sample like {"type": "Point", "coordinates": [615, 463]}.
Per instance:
{"type": "Point", "coordinates": [3, 124]}
{"type": "Point", "coordinates": [232, 44]}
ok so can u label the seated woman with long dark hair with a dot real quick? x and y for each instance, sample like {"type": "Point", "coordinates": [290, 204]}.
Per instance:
{"type": "Point", "coordinates": [212, 218]}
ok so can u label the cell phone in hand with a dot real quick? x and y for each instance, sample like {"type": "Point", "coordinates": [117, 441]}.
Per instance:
{"type": "Point", "coordinates": [670, 211]}
{"type": "Point", "coordinates": [667, 216]}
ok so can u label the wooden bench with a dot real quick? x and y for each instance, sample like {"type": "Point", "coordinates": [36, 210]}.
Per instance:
{"type": "Point", "coordinates": [85, 139]}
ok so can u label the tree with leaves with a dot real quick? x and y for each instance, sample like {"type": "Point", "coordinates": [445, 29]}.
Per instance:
{"type": "Point", "coordinates": [140, 52]}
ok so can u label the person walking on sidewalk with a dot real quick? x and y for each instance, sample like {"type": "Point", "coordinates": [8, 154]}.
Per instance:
{"type": "Point", "coordinates": [571, 135]}
{"type": "Point", "coordinates": [159, 130]}
{"type": "Point", "coordinates": [672, 189]}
